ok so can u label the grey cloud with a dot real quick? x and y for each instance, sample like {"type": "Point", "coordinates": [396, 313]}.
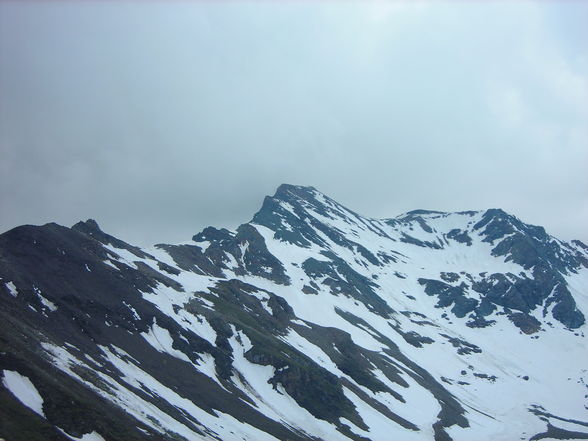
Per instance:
{"type": "Point", "coordinates": [159, 119]}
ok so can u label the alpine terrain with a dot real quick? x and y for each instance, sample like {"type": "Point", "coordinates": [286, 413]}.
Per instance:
{"type": "Point", "coordinates": [310, 322]}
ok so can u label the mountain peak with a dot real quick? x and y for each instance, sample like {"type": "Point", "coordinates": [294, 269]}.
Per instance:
{"type": "Point", "coordinates": [288, 192]}
{"type": "Point", "coordinates": [496, 212]}
{"type": "Point", "coordinates": [497, 223]}
{"type": "Point", "coordinates": [89, 226]}
{"type": "Point", "coordinates": [421, 211]}
{"type": "Point", "coordinates": [286, 198]}
{"type": "Point", "coordinates": [293, 208]}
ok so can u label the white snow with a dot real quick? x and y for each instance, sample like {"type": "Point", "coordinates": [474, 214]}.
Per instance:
{"type": "Point", "coordinates": [380, 427]}
{"type": "Point", "coordinates": [164, 298]}
{"type": "Point", "coordinates": [506, 353]}
{"type": "Point", "coordinates": [11, 289]}
{"type": "Point", "coordinates": [136, 315]}
{"type": "Point", "coordinates": [224, 425]}
{"type": "Point", "coordinates": [109, 263]}
{"type": "Point", "coordinates": [312, 351]}
{"type": "Point", "coordinates": [92, 436]}
{"type": "Point", "coordinates": [123, 256]}
{"type": "Point", "coordinates": [200, 326]}
{"type": "Point", "coordinates": [277, 405]}
{"type": "Point", "coordinates": [207, 367]}
{"type": "Point", "coordinates": [47, 303]}
{"type": "Point", "coordinates": [301, 323]}
{"type": "Point", "coordinates": [24, 390]}
{"type": "Point", "coordinates": [162, 341]}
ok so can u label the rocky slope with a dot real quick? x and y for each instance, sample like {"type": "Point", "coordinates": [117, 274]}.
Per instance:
{"type": "Point", "coordinates": [309, 322]}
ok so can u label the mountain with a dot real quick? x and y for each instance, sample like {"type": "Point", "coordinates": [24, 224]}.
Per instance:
{"type": "Point", "coordinates": [310, 322]}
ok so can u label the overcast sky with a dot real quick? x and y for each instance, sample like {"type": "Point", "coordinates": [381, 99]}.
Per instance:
{"type": "Point", "coordinates": [160, 118]}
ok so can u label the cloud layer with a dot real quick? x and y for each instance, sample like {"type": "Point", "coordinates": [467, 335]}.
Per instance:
{"type": "Point", "coordinates": [158, 119]}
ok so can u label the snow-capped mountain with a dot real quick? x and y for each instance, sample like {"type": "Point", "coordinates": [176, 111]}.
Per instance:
{"type": "Point", "coordinates": [310, 322]}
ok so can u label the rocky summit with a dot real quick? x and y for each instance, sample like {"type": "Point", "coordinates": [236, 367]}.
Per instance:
{"type": "Point", "coordinates": [310, 322]}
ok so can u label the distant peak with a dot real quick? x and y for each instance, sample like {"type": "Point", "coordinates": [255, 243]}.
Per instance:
{"type": "Point", "coordinates": [496, 212]}
{"type": "Point", "coordinates": [88, 226]}
{"type": "Point", "coordinates": [497, 216]}
{"type": "Point", "coordinates": [417, 215]}
{"type": "Point", "coordinates": [299, 199]}
{"type": "Point", "coordinates": [421, 212]}
{"type": "Point", "coordinates": [92, 229]}
{"type": "Point", "coordinates": [286, 191]}
{"type": "Point", "coordinates": [212, 234]}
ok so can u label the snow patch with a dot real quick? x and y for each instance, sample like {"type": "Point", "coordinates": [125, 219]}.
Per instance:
{"type": "Point", "coordinates": [136, 316]}
{"type": "Point", "coordinates": [93, 436]}
{"type": "Point", "coordinates": [24, 390]}
{"type": "Point", "coordinates": [123, 256]}
{"type": "Point", "coordinates": [162, 341]}
{"type": "Point", "coordinates": [47, 303]}
{"type": "Point", "coordinates": [11, 289]}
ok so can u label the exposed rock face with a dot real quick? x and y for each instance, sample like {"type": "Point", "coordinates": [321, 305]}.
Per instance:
{"type": "Point", "coordinates": [309, 322]}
